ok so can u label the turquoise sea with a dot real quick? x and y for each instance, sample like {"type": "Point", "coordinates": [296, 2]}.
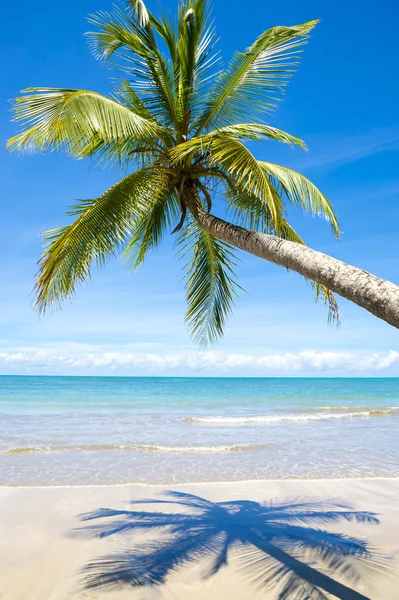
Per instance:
{"type": "Point", "coordinates": [105, 430]}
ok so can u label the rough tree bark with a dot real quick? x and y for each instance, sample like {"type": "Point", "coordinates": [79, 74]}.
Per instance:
{"type": "Point", "coordinates": [378, 296]}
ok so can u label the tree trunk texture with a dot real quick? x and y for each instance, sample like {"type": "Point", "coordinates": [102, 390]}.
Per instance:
{"type": "Point", "coordinates": [378, 296]}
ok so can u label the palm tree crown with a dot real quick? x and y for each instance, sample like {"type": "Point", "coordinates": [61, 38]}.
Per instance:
{"type": "Point", "coordinates": [178, 125]}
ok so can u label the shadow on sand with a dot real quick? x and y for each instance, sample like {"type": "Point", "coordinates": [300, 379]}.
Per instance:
{"type": "Point", "coordinates": [277, 545]}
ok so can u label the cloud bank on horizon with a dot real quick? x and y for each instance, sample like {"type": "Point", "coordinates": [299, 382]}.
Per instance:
{"type": "Point", "coordinates": [307, 362]}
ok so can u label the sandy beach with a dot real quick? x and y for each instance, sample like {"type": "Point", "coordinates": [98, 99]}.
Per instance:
{"type": "Point", "coordinates": [45, 546]}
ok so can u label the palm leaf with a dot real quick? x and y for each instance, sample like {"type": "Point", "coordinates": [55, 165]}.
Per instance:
{"type": "Point", "coordinates": [189, 28]}
{"type": "Point", "coordinates": [78, 121]}
{"type": "Point", "coordinates": [322, 292]}
{"type": "Point", "coordinates": [125, 37]}
{"type": "Point", "coordinates": [256, 78]}
{"type": "Point", "coordinates": [239, 163]}
{"type": "Point", "coordinates": [115, 34]}
{"type": "Point", "coordinates": [241, 132]}
{"type": "Point", "coordinates": [249, 211]}
{"type": "Point", "coordinates": [210, 285]}
{"type": "Point", "coordinates": [127, 96]}
{"type": "Point", "coordinates": [141, 11]}
{"type": "Point", "coordinates": [150, 227]}
{"type": "Point", "coordinates": [99, 231]}
{"type": "Point", "coordinates": [302, 192]}
{"type": "Point", "coordinates": [195, 56]}
{"type": "Point", "coordinates": [166, 30]}
{"type": "Point", "coordinates": [256, 131]}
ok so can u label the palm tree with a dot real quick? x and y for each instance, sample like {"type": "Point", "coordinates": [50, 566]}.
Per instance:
{"type": "Point", "coordinates": [178, 125]}
{"type": "Point", "coordinates": [279, 544]}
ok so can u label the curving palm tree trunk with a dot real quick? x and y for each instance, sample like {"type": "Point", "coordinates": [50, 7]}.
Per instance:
{"type": "Point", "coordinates": [378, 296]}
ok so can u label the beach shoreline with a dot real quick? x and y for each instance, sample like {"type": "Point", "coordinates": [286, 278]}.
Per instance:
{"type": "Point", "coordinates": [194, 483]}
{"type": "Point", "coordinates": [40, 558]}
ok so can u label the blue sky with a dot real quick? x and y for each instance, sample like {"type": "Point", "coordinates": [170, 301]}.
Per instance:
{"type": "Point", "coordinates": [343, 101]}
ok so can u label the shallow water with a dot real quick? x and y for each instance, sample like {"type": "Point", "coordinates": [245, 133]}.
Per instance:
{"type": "Point", "coordinates": [87, 430]}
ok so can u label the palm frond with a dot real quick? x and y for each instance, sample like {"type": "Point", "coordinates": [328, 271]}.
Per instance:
{"type": "Point", "coordinates": [195, 54]}
{"type": "Point", "coordinates": [121, 37]}
{"type": "Point", "coordinates": [189, 28]}
{"type": "Point", "coordinates": [99, 231]}
{"type": "Point", "coordinates": [127, 96]}
{"type": "Point", "coordinates": [255, 131]}
{"type": "Point", "coordinates": [210, 285]}
{"type": "Point", "coordinates": [150, 227]}
{"type": "Point", "coordinates": [80, 122]}
{"type": "Point", "coordinates": [166, 30]}
{"type": "Point", "coordinates": [249, 211]}
{"type": "Point", "coordinates": [115, 34]}
{"type": "Point", "coordinates": [255, 79]}
{"type": "Point", "coordinates": [241, 132]}
{"type": "Point", "coordinates": [239, 163]}
{"type": "Point", "coordinates": [327, 297]}
{"type": "Point", "coordinates": [300, 191]}
{"type": "Point", "coordinates": [143, 17]}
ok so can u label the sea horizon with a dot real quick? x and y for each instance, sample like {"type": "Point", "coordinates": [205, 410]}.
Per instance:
{"type": "Point", "coordinates": [111, 376]}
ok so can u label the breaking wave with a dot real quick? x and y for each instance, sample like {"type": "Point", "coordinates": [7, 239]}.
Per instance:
{"type": "Point", "coordinates": [328, 413]}
{"type": "Point", "coordinates": [138, 448]}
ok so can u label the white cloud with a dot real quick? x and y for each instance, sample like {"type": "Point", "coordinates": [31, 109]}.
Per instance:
{"type": "Point", "coordinates": [202, 363]}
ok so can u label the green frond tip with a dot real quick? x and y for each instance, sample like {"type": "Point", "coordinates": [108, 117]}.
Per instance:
{"type": "Point", "coordinates": [141, 12]}
{"type": "Point", "coordinates": [301, 192]}
{"type": "Point", "coordinates": [255, 80]}
{"type": "Point", "coordinates": [326, 295]}
{"type": "Point", "coordinates": [210, 284]}
{"type": "Point", "coordinates": [80, 122]}
{"type": "Point", "coordinates": [126, 41]}
{"type": "Point", "coordinates": [101, 228]}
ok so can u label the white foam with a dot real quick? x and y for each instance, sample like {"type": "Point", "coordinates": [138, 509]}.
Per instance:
{"type": "Point", "coordinates": [138, 448]}
{"type": "Point", "coordinates": [270, 419]}
{"type": "Point", "coordinates": [202, 449]}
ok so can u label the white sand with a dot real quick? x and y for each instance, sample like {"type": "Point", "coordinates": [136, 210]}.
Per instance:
{"type": "Point", "coordinates": [40, 560]}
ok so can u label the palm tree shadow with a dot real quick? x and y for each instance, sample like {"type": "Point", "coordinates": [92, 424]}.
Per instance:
{"type": "Point", "coordinates": [278, 545]}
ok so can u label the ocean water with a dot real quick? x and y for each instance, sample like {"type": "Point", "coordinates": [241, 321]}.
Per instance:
{"type": "Point", "coordinates": [105, 430]}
